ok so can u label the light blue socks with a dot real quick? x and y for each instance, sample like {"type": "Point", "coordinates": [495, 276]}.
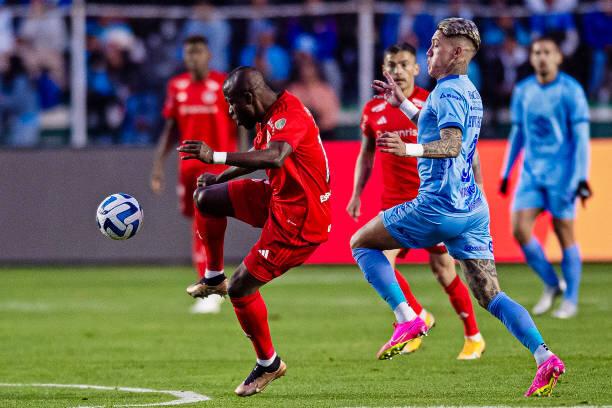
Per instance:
{"type": "Point", "coordinates": [536, 259]}
{"type": "Point", "coordinates": [571, 266]}
{"type": "Point", "coordinates": [517, 320]}
{"type": "Point", "coordinates": [379, 273]}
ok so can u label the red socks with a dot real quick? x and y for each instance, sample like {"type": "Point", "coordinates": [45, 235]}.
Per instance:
{"type": "Point", "coordinates": [253, 317]}
{"type": "Point", "coordinates": [460, 299]}
{"type": "Point", "coordinates": [198, 254]}
{"type": "Point", "coordinates": [412, 302]}
{"type": "Point", "coordinates": [210, 233]}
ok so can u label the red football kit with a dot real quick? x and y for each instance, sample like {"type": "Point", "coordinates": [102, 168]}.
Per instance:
{"type": "Point", "coordinates": [293, 206]}
{"type": "Point", "coordinates": [400, 174]}
{"type": "Point", "coordinates": [201, 113]}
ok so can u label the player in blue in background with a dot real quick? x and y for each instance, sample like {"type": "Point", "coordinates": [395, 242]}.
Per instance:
{"type": "Point", "coordinates": [450, 208]}
{"type": "Point", "coordinates": [550, 124]}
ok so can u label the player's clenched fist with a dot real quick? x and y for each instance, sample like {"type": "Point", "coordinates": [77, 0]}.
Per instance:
{"type": "Point", "coordinates": [391, 142]}
{"type": "Point", "coordinates": [206, 179]}
{"type": "Point", "coordinates": [354, 208]}
{"type": "Point", "coordinates": [196, 149]}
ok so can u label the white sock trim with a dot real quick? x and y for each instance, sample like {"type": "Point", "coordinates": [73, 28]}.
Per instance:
{"type": "Point", "coordinates": [475, 337]}
{"type": "Point", "coordinates": [268, 362]}
{"type": "Point", "coordinates": [542, 354]}
{"type": "Point", "coordinates": [404, 313]}
{"type": "Point", "coordinates": [208, 274]}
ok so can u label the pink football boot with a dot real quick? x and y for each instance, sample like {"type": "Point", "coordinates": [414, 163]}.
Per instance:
{"type": "Point", "coordinates": [403, 333]}
{"type": "Point", "coordinates": [546, 377]}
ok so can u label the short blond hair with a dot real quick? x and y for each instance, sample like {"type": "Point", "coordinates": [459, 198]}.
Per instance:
{"type": "Point", "coordinates": [460, 27]}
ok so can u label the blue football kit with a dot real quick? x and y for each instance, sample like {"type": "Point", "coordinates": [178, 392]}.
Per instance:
{"type": "Point", "coordinates": [550, 124]}
{"type": "Point", "coordinates": [450, 207]}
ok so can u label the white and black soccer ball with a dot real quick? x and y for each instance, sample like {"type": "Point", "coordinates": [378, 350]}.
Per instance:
{"type": "Point", "coordinates": [119, 216]}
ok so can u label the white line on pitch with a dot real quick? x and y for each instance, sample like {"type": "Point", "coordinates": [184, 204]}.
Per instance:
{"type": "Point", "coordinates": [183, 397]}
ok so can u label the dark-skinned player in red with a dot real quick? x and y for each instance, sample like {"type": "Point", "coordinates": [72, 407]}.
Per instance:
{"type": "Point", "coordinates": [292, 207]}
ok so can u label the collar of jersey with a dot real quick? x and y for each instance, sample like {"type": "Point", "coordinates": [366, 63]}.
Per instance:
{"type": "Point", "coordinates": [446, 78]}
{"type": "Point", "coordinates": [272, 107]}
{"type": "Point", "coordinates": [546, 85]}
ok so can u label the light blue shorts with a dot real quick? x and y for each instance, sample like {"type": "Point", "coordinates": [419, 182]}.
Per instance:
{"type": "Point", "coordinates": [561, 203]}
{"type": "Point", "coordinates": [413, 226]}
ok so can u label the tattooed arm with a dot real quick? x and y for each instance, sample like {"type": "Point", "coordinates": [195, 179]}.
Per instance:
{"type": "Point", "coordinates": [481, 276]}
{"type": "Point", "coordinates": [449, 145]}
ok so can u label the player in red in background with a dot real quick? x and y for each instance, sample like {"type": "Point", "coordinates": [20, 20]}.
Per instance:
{"type": "Point", "coordinates": [401, 183]}
{"type": "Point", "coordinates": [292, 208]}
{"type": "Point", "coordinates": [195, 109]}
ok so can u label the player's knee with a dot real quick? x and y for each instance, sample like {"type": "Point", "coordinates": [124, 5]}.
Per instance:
{"type": "Point", "coordinates": [521, 233]}
{"type": "Point", "coordinates": [235, 288]}
{"type": "Point", "coordinates": [356, 240]}
{"type": "Point", "coordinates": [199, 197]}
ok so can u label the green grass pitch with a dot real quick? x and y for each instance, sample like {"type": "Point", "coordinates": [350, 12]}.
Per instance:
{"type": "Point", "coordinates": [130, 327]}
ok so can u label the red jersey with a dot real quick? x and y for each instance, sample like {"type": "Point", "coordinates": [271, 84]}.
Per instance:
{"type": "Point", "coordinates": [300, 188]}
{"type": "Point", "coordinates": [200, 110]}
{"type": "Point", "coordinates": [400, 175]}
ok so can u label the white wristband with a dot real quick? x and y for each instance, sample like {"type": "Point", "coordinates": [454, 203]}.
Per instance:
{"type": "Point", "coordinates": [414, 149]}
{"type": "Point", "coordinates": [409, 109]}
{"type": "Point", "coordinates": [219, 157]}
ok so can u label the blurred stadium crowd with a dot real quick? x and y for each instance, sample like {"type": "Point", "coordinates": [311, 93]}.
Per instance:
{"type": "Point", "coordinates": [129, 60]}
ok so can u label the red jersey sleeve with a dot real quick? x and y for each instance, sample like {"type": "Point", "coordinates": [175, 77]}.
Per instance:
{"type": "Point", "coordinates": [169, 111]}
{"type": "Point", "coordinates": [290, 127]}
{"type": "Point", "coordinates": [365, 125]}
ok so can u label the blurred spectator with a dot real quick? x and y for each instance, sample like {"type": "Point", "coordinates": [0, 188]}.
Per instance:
{"type": "Point", "coordinates": [268, 57]}
{"type": "Point", "coordinates": [6, 30]}
{"type": "Point", "coordinates": [18, 103]}
{"type": "Point", "coordinates": [317, 36]}
{"type": "Point", "coordinates": [554, 18]}
{"type": "Point", "coordinates": [318, 96]}
{"type": "Point", "coordinates": [43, 39]}
{"type": "Point", "coordinates": [598, 36]}
{"type": "Point", "coordinates": [207, 23]}
{"type": "Point", "coordinates": [415, 26]}
{"type": "Point", "coordinates": [418, 21]}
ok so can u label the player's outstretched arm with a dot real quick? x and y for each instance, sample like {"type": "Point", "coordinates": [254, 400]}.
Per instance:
{"type": "Point", "coordinates": [272, 157]}
{"type": "Point", "coordinates": [363, 170]}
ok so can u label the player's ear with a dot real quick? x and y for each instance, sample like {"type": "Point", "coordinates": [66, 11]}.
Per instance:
{"type": "Point", "coordinates": [416, 69]}
{"type": "Point", "coordinates": [249, 98]}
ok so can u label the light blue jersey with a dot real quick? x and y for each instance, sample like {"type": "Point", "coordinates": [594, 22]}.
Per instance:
{"type": "Point", "coordinates": [450, 207]}
{"type": "Point", "coordinates": [448, 184]}
{"type": "Point", "coordinates": [550, 125]}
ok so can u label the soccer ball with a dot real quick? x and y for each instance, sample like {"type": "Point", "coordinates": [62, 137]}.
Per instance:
{"type": "Point", "coordinates": [119, 216]}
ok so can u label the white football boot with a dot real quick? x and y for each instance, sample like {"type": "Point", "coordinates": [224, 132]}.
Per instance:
{"type": "Point", "coordinates": [208, 305]}
{"type": "Point", "coordinates": [566, 310]}
{"type": "Point", "coordinates": [548, 297]}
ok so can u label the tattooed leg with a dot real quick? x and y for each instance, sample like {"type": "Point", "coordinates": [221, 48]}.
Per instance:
{"type": "Point", "coordinates": [481, 276]}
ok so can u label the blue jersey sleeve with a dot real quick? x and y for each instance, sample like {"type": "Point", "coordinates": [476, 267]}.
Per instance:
{"type": "Point", "coordinates": [451, 108]}
{"type": "Point", "coordinates": [577, 104]}
{"type": "Point", "coordinates": [516, 107]}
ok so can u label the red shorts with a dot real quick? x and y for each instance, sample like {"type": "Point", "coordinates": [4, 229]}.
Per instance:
{"type": "Point", "coordinates": [437, 249]}
{"type": "Point", "coordinates": [273, 254]}
{"type": "Point", "coordinates": [189, 171]}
